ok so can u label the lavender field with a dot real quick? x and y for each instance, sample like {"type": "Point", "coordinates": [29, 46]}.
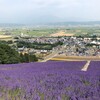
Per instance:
{"type": "Point", "coordinates": [50, 80]}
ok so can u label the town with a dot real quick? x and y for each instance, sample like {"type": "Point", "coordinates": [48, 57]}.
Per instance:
{"type": "Point", "coordinates": [45, 47]}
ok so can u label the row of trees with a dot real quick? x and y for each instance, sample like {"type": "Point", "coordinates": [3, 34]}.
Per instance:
{"type": "Point", "coordinates": [27, 58]}
{"type": "Point", "coordinates": [40, 46]}
{"type": "Point", "coordinates": [10, 56]}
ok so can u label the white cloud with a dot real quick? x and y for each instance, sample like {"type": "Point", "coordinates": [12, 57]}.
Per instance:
{"type": "Point", "coordinates": [62, 9]}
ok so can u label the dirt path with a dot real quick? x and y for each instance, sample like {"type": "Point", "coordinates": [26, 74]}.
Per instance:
{"type": "Point", "coordinates": [86, 66]}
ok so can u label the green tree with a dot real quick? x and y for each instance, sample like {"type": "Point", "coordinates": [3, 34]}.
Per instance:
{"type": "Point", "coordinates": [32, 58]}
{"type": "Point", "coordinates": [8, 55]}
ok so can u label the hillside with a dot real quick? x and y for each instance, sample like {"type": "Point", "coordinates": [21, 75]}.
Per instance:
{"type": "Point", "coordinates": [51, 80]}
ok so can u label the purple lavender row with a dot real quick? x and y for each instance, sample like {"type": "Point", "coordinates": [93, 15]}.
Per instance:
{"type": "Point", "coordinates": [47, 65]}
{"type": "Point", "coordinates": [94, 66]}
{"type": "Point", "coordinates": [49, 81]}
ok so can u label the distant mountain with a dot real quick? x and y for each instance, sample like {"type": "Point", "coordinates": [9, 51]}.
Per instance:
{"type": "Point", "coordinates": [91, 23]}
{"type": "Point", "coordinates": [10, 25]}
{"type": "Point", "coordinates": [76, 23]}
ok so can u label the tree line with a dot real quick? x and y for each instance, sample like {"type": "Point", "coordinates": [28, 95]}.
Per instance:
{"type": "Point", "coordinates": [39, 46]}
{"type": "Point", "coordinates": [9, 55]}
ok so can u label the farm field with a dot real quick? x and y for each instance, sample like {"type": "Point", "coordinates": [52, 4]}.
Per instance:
{"type": "Point", "coordinates": [53, 31]}
{"type": "Point", "coordinates": [61, 33]}
{"type": "Point", "coordinates": [30, 32]}
{"type": "Point", "coordinates": [94, 66]}
{"type": "Point", "coordinates": [52, 80]}
{"type": "Point", "coordinates": [4, 37]}
{"type": "Point", "coordinates": [75, 58]}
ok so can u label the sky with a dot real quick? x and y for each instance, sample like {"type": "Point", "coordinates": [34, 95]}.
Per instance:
{"type": "Point", "coordinates": [46, 11]}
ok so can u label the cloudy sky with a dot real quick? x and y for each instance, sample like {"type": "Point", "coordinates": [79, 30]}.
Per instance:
{"type": "Point", "coordinates": [39, 11]}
